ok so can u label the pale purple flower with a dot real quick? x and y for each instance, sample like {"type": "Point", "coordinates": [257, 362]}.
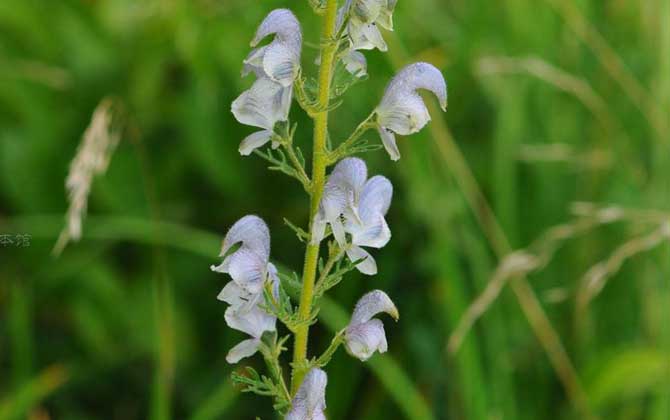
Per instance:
{"type": "Point", "coordinates": [246, 253]}
{"type": "Point", "coordinates": [364, 335]}
{"type": "Point", "coordinates": [354, 205]}
{"type": "Point", "coordinates": [402, 110]}
{"type": "Point", "coordinates": [355, 63]}
{"type": "Point", "coordinates": [309, 402]}
{"type": "Point", "coordinates": [276, 66]}
{"type": "Point", "coordinates": [280, 59]}
{"type": "Point", "coordinates": [365, 17]}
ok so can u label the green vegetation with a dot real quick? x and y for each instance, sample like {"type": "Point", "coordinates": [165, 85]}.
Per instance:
{"type": "Point", "coordinates": [547, 180]}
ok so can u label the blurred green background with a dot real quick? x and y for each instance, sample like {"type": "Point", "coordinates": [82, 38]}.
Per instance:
{"type": "Point", "coordinates": [550, 102]}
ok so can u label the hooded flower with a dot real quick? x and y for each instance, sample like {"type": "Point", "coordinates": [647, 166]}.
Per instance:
{"type": "Point", "coordinates": [401, 110]}
{"type": "Point", "coordinates": [280, 59]}
{"type": "Point", "coordinates": [276, 66]}
{"type": "Point", "coordinates": [246, 253]}
{"type": "Point", "coordinates": [309, 402]}
{"type": "Point", "coordinates": [353, 204]}
{"type": "Point", "coordinates": [364, 334]}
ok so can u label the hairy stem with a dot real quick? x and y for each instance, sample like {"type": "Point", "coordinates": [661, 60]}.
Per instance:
{"type": "Point", "coordinates": [319, 163]}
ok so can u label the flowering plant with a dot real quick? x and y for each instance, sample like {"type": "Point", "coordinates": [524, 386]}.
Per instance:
{"type": "Point", "coordinates": [347, 204]}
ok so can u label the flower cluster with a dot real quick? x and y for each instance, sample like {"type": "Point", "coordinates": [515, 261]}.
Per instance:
{"type": "Point", "coordinates": [354, 205]}
{"type": "Point", "coordinates": [276, 67]}
{"type": "Point", "coordinates": [346, 204]}
{"type": "Point", "coordinates": [246, 258]}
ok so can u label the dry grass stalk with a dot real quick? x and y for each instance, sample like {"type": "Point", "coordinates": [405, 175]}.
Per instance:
{"type": "Point", "coordinates": [538, 254]}
{"type": "Point", "coordinates": [525, 295]}
{"type": "Point", "coordinates": [515, 264]}
{"type": "Point", "coordinates": [518, 263]}
{"type": "Point", "coordinates": [614, 65]}
{"type": "Point", "coordinates": [596, 277]}
{"type": "Point", "coordinates": [595, 159]}
{"type": "Point", "coordinates": [93, 155]}
{"type": "Point", "coordinates": [552, 75]}
{"type": "Point", "coordinates": [456, 165]}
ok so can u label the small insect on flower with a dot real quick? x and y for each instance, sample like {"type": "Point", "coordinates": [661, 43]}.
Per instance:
{"type": "Point", "coordinates": [364, 334]}
{"type": "Point", "coordinates": [355, 205]}
{"type": "Point", "coordinates": [276, 67]}
{"type": "Point", "coordinates": [402, 110]}
{"type": "Point", "coordinates": [246, 253]}
{"type": "Point", "coordinates": [309, 402]}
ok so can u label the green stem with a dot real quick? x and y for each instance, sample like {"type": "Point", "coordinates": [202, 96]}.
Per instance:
{"type": "Point", "coordinates": [343, 149]}
{"type": "Point", "coordinates": [328, 354]}
{"type": "Point", "coordinates": [271, 356]}
{"type": "Point", "coordinates": [319, 163]}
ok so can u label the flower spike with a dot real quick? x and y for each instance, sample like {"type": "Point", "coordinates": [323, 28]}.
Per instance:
{"type": "Point", "coordinates": [401, 110]}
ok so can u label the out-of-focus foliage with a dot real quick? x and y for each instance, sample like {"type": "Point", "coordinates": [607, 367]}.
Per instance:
{"type": "Point", "coordinates": [550, 102]}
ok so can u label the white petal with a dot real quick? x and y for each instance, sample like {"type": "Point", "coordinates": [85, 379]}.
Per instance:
{"type": "Point", "coordinates": [247, 269]}
{"type": "Point", "coordinates": [243, 350]}
{"type": "Point", "coordinates": [357, 37]}
{"type": "Point", "coordinates": [238, 298]}
{"type": "Point", "coordinates": [341, 193]}
{"type": "Point", "coordinates": [374, 233]}
{"type": "Point", "coordinates": [318, 228]}
{"type": "Point", "coordinates": [371, 304]}
{"type": "Point", "coordinates": [252, 232]}
{"type": "Point", "coordinates": [280, 63]}
{"type": "Point", "coordinates": [254, 321]}
{"type": "Point", "coordinates": [254, 141]}
{"type": "Point", "coordinates": [333, 200]}
{"type": "Point", "coordinates": [285, 26]}
{"type": "Point", "coordinates": [254, 63]}
{"type": "Point", "coordinates": [338, 231]}
{"type": "Point", "coordinates": [233, 294]}
{"type": "Point", "coordinates": [385, 19]}
{"type": "Point", "coordinates": [349, 174]}
{"type": "Point", "coordinates": [375, 197]}
{"type": "Point", "coordinates": [333, 204]}
{"type": "Point", "coordinates": [388, 140]}
{"type": "Point", "coordinates": [367, 11]}
{"type": "Point", "coordinates": [362, 340]}
{"type": "Point", "coordinates": [366, 36]}
{"type": "Point", "coordinates": [406, 116]}
{"type": "Point", "coordinates": [372, 34]}
{"type": "Point", "coordinates": [309, 402]}
{"type": "Point", "coordinates": [263, 105]}
{"type": "Point", "coordinates": [355, 63]}
{"type": "Point", "coordinates": [368, 265]}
